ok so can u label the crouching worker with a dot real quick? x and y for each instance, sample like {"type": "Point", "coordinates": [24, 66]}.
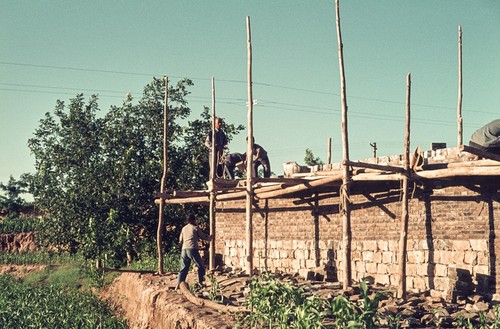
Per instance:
{"type": "Point", "coordinates": [260, 158]}
{"type": "Point", "coordinates": [232, 160]}
{"type": "Point", "coordinates": [487, 138]}
{"type": "Point", "coordinates": [190, 235]}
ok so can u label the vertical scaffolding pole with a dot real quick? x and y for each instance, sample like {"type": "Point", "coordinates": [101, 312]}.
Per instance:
{"type": "Point", "coordinates": [459, 102]}
{"type": "Point", "coordinates": [329, 152]}
{"type": "Point", "coordinates": [249, 187]}
{"type": "Point", "coordinates": [345, 203]}
{"type": "Point", "coordinates": [211, 263]}
{"type": "Point", "coordinates": [403, 238]}
{"type": "Point", "coordinates": [159, 232]}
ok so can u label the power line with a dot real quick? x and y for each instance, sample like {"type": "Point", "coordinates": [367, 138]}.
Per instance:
{"type": "Point", "coordinates": [63, 88]}
{"type": "Point", "coordinates": [205, 79]}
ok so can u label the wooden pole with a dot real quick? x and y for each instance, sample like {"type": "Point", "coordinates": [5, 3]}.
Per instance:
{"type": "Point", "coordinates": [211, 262]}
{"type": "Point", "coordinates": [403, 238]}
{"type": "Point", "coordinates": [329, 151]}
{"type": "Point", "coordinates": [345, 206]}
{"type": "Point", "coordinates": [159, 232]}
{"type": "Point", "coordinates": [374, 149]}
{"type": "Point", "coordinates": [249, 187]}
{"type": "Point", "coordinates": [459, 103]}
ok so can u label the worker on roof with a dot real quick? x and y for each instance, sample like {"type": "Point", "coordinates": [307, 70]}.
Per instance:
{"type": "Point", "coordinates": [487, 138]}
{"type": "Point", "coordinates": [220, 145]}
{"type": "Point", "coordinates": [260, 158]}
{"type": "Point", "coordinates": [233, 160]}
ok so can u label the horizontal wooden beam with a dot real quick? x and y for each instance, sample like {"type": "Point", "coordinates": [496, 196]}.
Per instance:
{"type": "Point", "coordinates": [375, 166]}
{"type": "Point", "coordinates": [299, 187]}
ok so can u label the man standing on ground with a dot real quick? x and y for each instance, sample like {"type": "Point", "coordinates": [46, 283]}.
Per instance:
{"type": "Point", "coordinates": [190, 235]}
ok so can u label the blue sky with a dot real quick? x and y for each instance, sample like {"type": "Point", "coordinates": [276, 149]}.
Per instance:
{"type": "Point", "coordinates": [53, 50]}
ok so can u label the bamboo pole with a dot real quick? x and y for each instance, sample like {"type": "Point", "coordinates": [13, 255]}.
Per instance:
{"type": "Point", "coordinates": [345, 206]}
{"type": "Point", "coordinates": [211, 262]}
{"type": "Point", "coordinates": [403, 238]}
{"type": "Point", "coordinates": [249, 187]}
{"type": "Point", "coordinates": [459, 103]}
{"type": "Point", "coordinates": [159, 232]}
{"type": "Point", "coordinates": [329, 151]}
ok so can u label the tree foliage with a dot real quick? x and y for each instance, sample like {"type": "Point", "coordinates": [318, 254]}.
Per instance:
{"type": "Point", "coordinates": [96, 173]}
{"type": "Point", "coordinates": [310, 159]}
{"type": "Point", "coordinates": [11, 201]}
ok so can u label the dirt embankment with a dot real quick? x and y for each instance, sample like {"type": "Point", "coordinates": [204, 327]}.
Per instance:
{"type": "Point", "coordinates": [150, 301]}
{"type": "Point", "coordinates": [18, 242]}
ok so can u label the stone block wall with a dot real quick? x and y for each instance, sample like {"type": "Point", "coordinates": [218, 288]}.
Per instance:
{"type": "Point", "coordinates": [450, 230]}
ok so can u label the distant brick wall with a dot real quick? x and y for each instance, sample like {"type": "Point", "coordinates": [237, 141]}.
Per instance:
{"type": "Point", "coordinates": [449, 238]}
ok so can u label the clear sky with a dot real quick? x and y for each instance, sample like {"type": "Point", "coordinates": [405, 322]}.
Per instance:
{"type": "Point", "coordinates": [53, 50]}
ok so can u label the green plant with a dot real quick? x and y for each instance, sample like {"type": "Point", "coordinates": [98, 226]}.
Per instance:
{"type": "Point", "coordinates": [345, 313]}
{"type": "Point", "coordinates": [463, 322]}
{"type": "Point", "coordinates": [27, 305]}
{"type": "Point", "coordinates": [394, 321]}
{"type": "Point", "coordinates": [41, 258]}
{"type": "Point", "coordinates": [369, 306]}
{"type": "Point", "coordinates": [438, 317]}
{"type": "Point", "coordinates": [496, 312]}
{"type": "Point", "coordinates": [309, 314]}
{"type": "Point", "coordinates": [215, 292]}
{"type": "Point", "coordinates": [275, 304]}
{"type": "Point", "coordinates": [19, 225]}
{"type": "Point", "coordinates": [11, 199]}
{"type": "Point", "coordinates": [348, 314]}
{"type": "Point", "coordinates": [272, 302]}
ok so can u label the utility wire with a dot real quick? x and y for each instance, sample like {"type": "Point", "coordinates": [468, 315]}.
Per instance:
{"type": "Point", "coordinates": [236, 100]}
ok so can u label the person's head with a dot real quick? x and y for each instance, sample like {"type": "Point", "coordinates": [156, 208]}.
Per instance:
{"type": "Point", "coordinates": [190, 219]}
{"type": "Point", "coordinates": [218, 122]}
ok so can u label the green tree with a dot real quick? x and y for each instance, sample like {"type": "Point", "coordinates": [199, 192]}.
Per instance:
{"type": "Point", "coordinates": [310, 159]}
{"type": "Point", "coordinates": [96, 174]}
{"type": "Point", "coordinates": [11, 200]}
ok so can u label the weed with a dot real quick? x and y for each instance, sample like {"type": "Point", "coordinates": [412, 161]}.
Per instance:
{"type": "Point", "coordinates": [215, 292]}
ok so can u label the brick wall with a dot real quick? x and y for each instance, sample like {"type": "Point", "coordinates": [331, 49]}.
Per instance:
{"type": "Point", "coordinates": [449, 240]}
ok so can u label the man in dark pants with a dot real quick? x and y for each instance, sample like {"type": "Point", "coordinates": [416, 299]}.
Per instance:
{"type": "Point", "coordinates": [487, 138]}
{"type": "Point", "coordinates": [220, 145]}
{"type": "Point", "coordinates": [231, 160]}
{"type": "Point", "coordinates": [260, 158]}
{"type": "Point", "coordinates": [190, 235]}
